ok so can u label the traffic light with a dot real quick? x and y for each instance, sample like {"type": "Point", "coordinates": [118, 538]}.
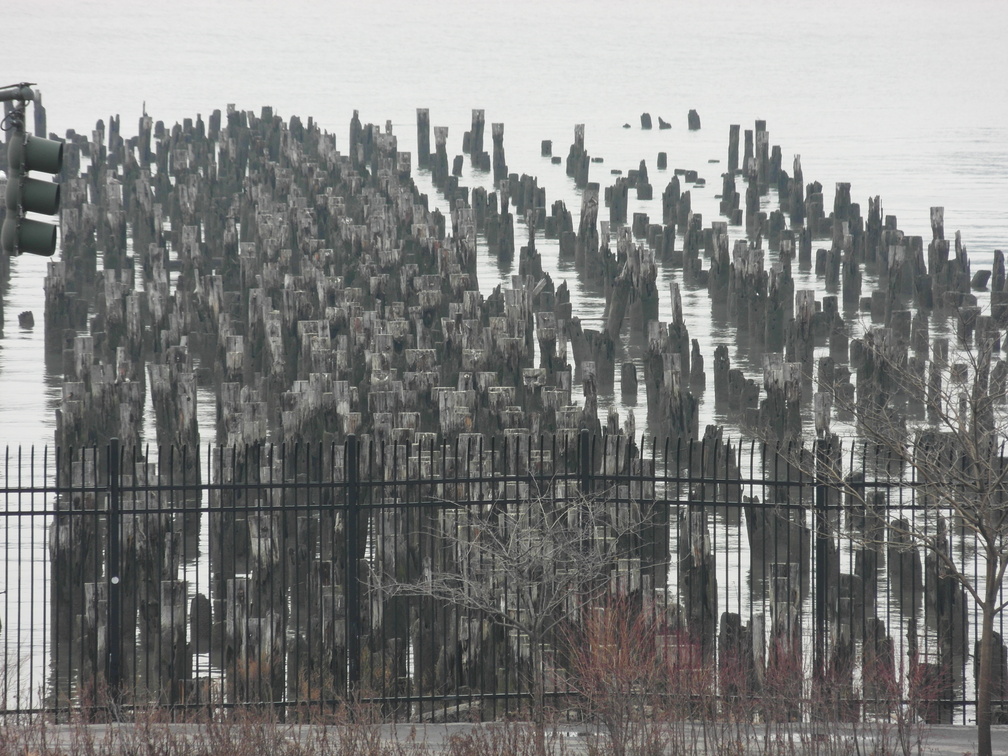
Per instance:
{"type": "Point", "coordinates": [30, 195]}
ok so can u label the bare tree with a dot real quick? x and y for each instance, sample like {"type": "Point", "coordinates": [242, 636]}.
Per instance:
{"type": "Point", "coordinates": [938, 427]}
{"type": "Point", "coordinates": [530, 562]}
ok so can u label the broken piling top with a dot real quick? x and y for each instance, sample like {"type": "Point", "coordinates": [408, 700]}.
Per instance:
{"type": "Point", "coordinates": [677, 309]}
{"type": "Point", "coordinates": [476, 131]}
{"type": "Point", "coordinates": [500, 169]}
{"type": "Point", "coordinates": [579, 136]}
{"type": "Point", "coordinates": [938, 223]}
{"type": "Point", "coordinates": [423, 137]}
{"type": "Point", "coordinates": [733, 147]}
{"type": "Point", "coordinates": [589, 207]}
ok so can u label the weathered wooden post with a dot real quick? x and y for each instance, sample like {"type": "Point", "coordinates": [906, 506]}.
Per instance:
{"type": "Point", "coordinates": [439, 164]}
{"type": "Point", "coordinates": [94, 649]}
{"type": "Point", "coordinates": [352, 590]}
{"type": "Point", "coordinates": [500, 169]}
{"type": "Point", "coordinates": [736, 663]}
{"type": "Point", "coordinates": [762, 156]}
{"type": "Point", "coordinates": [733, 148]}
{"type": "Point", "coordinates": [878, 667]}
{"type": "Point", "coordinates": [578, 161]}
{"type": "Point", "coordinates": [823, 470]}
{"type": "Point", "coordinates": [114, 661]}
{"type": "Point", "coordinates": [175, 664]}
{"type": "Point", "coordinates": [618, 195]}
{"type": "Point", "coordinates": [784, 668]}
{"type": "Point", "coordinates": [476, 136]}
{"type": "Point", "coordinates": [904, 567]}
{"type": "Point", "coordinates": [587, 244]}
{"type": "Point", "coordinates": [698, 579]}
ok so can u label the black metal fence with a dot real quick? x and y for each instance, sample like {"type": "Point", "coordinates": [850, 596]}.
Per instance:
{"type": "Point", "coordinates": [297, 576]}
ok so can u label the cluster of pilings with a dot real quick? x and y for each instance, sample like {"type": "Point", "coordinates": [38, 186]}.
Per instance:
{"type": "Point", "coordinates": [317, 296]}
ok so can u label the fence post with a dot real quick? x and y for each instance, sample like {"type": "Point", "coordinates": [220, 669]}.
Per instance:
{"type": "Point", "coordinates": [822, 455]}
{"type": "Point", "coordinates": [353, 622]}
{"type": "Point", "coordinates": [113, 645]}
{"type": "Point", "coordinates": [584, 461]}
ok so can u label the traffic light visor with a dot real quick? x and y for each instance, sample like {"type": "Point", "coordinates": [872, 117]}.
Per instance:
{"type": "Point", "coordinates": [32, 236]}
{"type": "Point", "coordinates": [40, 196]}
{"type": "Point", "coordinates": [44, 155]}
{"type": "Point", "coordinates": [36, 154]}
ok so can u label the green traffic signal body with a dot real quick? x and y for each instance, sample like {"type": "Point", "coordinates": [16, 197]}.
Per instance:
{"type": "Point", "coordinates": [30, 195]}
{"type": "Point", "coordinates": [41, 154]}
{"type": "Point", "coordinates": [36, 237]}
{"type": "Point", "coordinates": [38, 196]}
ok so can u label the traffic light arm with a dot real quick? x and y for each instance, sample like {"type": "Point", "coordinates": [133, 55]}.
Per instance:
{"type": "Point", "coordinates": [22, 91]}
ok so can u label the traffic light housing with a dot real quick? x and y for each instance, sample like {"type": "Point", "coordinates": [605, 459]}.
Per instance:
{"type": "Point", "coordinates": [30, 195]}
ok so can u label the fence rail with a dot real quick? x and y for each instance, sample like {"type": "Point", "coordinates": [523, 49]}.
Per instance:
{"type": "Point", "coordinates": [294, 575]}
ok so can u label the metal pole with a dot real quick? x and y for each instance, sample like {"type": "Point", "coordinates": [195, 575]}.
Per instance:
{"type": "Point", "coordinates": [22, 91]}
{"type": "Point", "coordinates": [11, 230]}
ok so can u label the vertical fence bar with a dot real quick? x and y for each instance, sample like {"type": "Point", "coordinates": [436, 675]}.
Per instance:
{"type": "Point", "coordinates": [824, 461]}
{"type": "Point", "coordinates": [822, 456]}
{"type": "Point", "coordinates": [584, 461]}
{"type": "Point", "coordinates": [113, 645]}
{"type": "Point", "coordinates": [353, 620]}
